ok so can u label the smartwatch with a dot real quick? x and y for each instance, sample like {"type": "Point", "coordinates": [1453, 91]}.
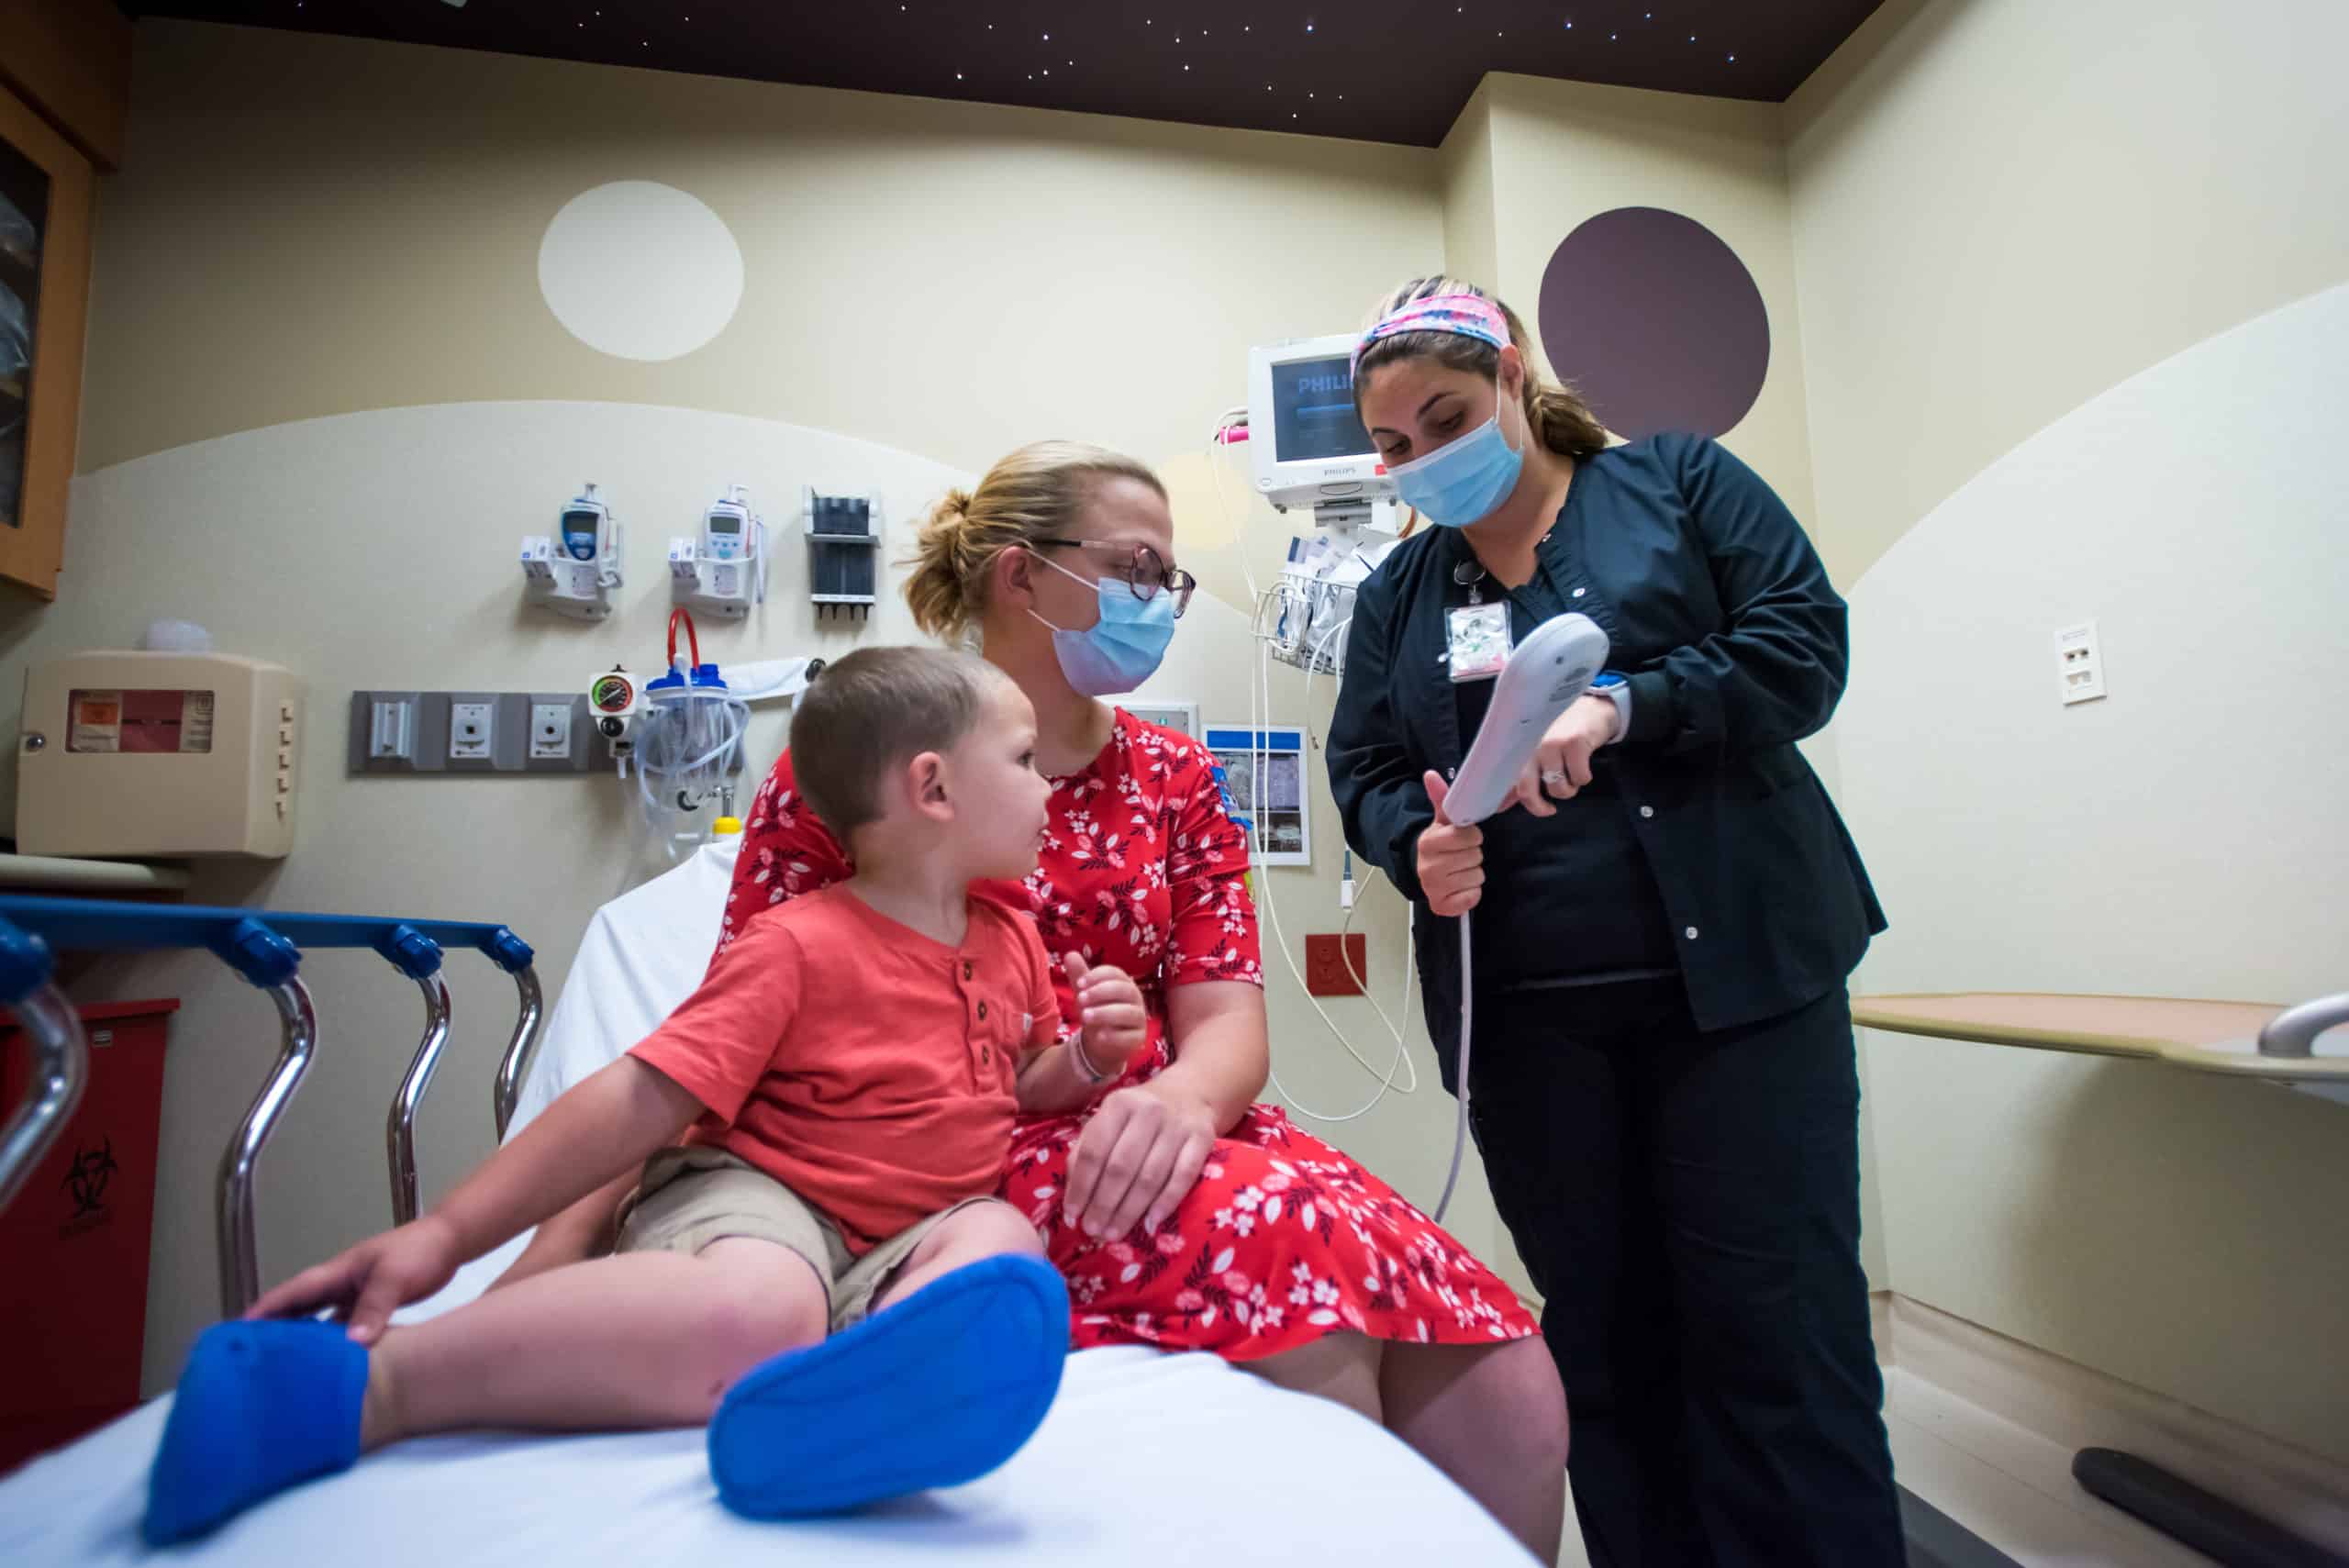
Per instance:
{"type": "Point", "coordinates": [1611, 684]}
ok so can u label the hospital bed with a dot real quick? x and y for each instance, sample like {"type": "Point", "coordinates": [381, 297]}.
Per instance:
{"type": "Point", "coordinates": [1146, 1458]}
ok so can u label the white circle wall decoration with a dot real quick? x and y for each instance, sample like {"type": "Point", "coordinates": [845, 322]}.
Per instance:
{"type": "Point", "coordinates": [639, 270]}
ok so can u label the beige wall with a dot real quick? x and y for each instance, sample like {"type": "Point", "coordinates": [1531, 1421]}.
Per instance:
{"type": "Point", "coordinates": [2004, 212]}
{"type": "Point", "coordinates": [1466, 162]}
{"type": "Point", "coordinates": [2001, 209]}
{"type": "Point", "coordinates": [311, 225]}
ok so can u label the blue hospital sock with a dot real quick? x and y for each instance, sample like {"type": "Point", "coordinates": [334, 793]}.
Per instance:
{"type": "Point", "coordinates": [933, 1390]}
{"type": "Point", "coordinates": [261, 1408]}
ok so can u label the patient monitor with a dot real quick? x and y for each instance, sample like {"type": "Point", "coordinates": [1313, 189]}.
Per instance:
{"type": "Point", "coordinates": [123, 753]}
{"type": "Point", "coordinates": [1305, 441]}
{"type": "Point", "coordinates": [1307, 449]}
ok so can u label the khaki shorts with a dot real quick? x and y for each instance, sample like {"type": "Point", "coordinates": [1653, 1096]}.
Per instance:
{"type": "Point", "coordinates": [690, 1197]}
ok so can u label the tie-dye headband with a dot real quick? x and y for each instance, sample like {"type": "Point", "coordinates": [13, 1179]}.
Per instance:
{"type": "Point", "coordinates": [1467, 314]}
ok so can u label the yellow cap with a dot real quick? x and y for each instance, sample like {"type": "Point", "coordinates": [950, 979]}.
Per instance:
{"type": "Point", "coordinates": [725, 825]}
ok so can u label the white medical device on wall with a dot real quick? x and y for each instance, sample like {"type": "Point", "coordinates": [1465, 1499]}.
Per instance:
{"type": "Point", "coordinates": [574, 571]}
{"type": "Point", "coordinates": [157, 753]}
{"type": "Point", "coordinates": [1307, 449]}
{"type": "Point", "coordinates": [723, 570]}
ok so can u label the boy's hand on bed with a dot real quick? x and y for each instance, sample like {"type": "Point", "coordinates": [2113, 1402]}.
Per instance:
{"type": "Point", "coordinates": [1110, 1012]}
{"type": "Point", "coordinates": [1137, 1159]}
{"type": "Point", "coordinates": [370, 1282]}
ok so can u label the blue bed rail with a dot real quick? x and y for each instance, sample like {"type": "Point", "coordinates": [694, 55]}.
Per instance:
{"type": "Point", "coordinates": [265, 948]}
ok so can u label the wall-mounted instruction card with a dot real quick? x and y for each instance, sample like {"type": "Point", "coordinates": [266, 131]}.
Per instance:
{"type": "Point", "coordinates": [1263, 774]}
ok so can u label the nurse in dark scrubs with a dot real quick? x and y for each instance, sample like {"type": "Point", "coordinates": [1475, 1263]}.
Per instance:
{"type": "Point", "coordinates": [1664, 1089]}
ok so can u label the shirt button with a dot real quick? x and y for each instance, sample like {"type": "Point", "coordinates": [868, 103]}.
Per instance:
{"type": "Point", "coordinates": [982, 1007]}
{"type": "Point", "coordinates": [983, 1057]}
{"type": "Point", "coordinates": [966, 969]}
{"type": "Point", "coordinates": [1690, 933]}
{"type": "Point", "coordinates": [1580, 592]}
{"type": "Point", "coordinates": [1647, 811]}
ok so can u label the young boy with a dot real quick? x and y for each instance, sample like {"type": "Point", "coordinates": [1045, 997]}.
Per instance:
{"type": "Point", "coordinates": [843, 1081]}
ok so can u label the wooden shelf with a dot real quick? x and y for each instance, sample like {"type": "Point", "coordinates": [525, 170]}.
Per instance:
{"type": "Point", "coordinates": [2204, 1036]}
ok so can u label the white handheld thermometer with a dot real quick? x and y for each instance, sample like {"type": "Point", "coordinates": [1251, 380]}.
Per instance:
{"type": "Point", "coordinates": [1547, 671]}
{"type": "Point", "coordinates": [1543, 676]}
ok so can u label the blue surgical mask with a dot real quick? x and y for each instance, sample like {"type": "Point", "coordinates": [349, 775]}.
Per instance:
{"type": "Point", "coordinates": [1455, 486]}
{"type": "Point", "coordinates": [1124, 647]}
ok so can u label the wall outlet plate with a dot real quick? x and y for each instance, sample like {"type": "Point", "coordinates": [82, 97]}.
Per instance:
{"type": "Point", "coordinates": [562, 737]}
{"type": "Point", "coordinates": [472, 730]}
{"type": "Point", "coordinates": [2079, 663]}
{"type": "Point", "coordinates": [1325, 971]}
{"type": "Point", "coordinates": [549, 730]}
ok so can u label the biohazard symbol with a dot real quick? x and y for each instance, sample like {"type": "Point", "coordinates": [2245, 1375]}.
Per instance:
{"type": "Point", "coordinates": [86, 1177]}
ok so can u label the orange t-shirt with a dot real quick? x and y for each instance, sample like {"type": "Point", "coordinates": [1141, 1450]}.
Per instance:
{"type": "Point", "coordinates": [865, 1066]}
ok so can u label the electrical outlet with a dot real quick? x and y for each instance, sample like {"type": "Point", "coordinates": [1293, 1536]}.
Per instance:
{"type": "Point", "coordinates": [549, 732]}
{"type": "Point", "coordinates": [472, 730]}
{"type": "Point", "coordinates": [1325, 969]}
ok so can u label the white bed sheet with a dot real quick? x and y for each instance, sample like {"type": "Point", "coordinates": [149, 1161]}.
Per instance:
{"type": "Point", "coordinates": [1145, 1459]}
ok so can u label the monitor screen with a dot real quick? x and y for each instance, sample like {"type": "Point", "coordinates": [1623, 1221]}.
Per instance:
{"type": "Point", "coordinates": [725, 523]}
{"type": "Point", "coordinates": [1313, 412]}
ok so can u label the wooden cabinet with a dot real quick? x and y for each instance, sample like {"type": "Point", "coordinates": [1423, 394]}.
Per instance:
{"type": "Point", "coordinates": [47, 186]}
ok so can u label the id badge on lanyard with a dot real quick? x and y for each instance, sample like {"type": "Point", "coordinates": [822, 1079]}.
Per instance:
{"type": "Point", "coordinates": [1480, 640]}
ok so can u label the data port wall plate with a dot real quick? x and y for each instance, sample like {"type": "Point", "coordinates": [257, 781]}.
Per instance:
{"type": "Point", "coordinates": [580, 749]}
{"type": "Point", "coordinates": [2079, 663]}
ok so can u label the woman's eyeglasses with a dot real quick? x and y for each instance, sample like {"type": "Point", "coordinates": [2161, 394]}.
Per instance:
{"type": "Point", "coordinates": [1141, 568]}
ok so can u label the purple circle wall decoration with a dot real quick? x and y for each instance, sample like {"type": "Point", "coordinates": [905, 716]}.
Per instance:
{"type": "Point", "coordinates": [1654, 320]}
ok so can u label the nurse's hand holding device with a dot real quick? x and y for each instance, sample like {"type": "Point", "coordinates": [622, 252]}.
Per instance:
{"type": "Point", "coordinates": [1548, 671]}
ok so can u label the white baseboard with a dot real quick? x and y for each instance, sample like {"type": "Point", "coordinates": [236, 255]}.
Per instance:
{"type": "Point", "coordinates": [1945, 1374]}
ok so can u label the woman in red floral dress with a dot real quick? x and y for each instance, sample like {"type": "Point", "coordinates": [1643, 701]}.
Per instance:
{"type": "Point", "coordinates": [1182, 1213]}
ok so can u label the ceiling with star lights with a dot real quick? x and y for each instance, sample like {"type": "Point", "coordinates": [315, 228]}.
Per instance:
{"type": "Point", "coordinates": [1395, 71]}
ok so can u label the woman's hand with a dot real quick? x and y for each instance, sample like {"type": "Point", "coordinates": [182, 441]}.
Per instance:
{"type": "Point", "coordinates": [1137, 1159]}
{"type": "Point", "coordinates": [1110, 1015]}
{"type": "Point", "coordinates": [368, 1283]}
{"type": "Point", "coordinates": [1451, 858]}
{"type": "Point", "coordinates": [1561, 764]}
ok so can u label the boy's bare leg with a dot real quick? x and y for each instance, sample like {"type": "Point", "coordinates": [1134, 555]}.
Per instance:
{"type": "Point", "coordinates": [636, 1339]}
{"type": "Point", "coordinates": [989, 1230]}
{"type": "Point", "coordinates": [575, 1235]}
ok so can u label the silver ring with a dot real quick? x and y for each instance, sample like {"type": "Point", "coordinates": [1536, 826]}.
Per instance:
{"type": "Point", "coordinates": [1554, 777]}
